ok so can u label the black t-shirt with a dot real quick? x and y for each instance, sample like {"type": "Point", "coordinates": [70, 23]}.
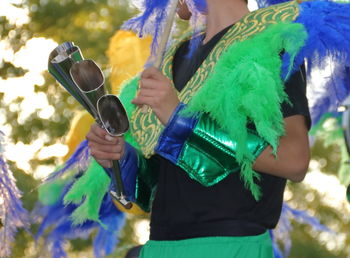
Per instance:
{"type": "Point", "coordinates": [183, 208]}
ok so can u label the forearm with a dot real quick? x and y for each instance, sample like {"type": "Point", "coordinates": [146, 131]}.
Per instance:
{"type": "Point", "coordinates": [293, 153]}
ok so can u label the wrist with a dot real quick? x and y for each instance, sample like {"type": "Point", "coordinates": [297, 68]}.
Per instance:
{"type": "Point", "coordinates": [176, 132]}
{"type": "Point", "coordinates": [165, 115]}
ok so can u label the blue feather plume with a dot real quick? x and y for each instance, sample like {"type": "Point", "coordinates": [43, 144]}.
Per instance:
{"type": "Point", "coordinates": [337, 91]}
{"type": "Point", "coordinates": [53, 214]}
{"type": "Point", "coordinates": [328, 27]}
{"type": "Point", "coordinates": [304, 218]}
{"type": "Point", "coordinates": [79, 161]}
{"type": "Point", "coordinates": [56, 219]}
{"type": "Point", "coordinates": [284, 228]}
{"type": "Point", "coordinates": [277, 253]}
{"type": "Point", "coordinates": [200, 5]}
{"type": "Point", "coordinates": [63, 232]}
{"type": "Point", "coordinates": [150, 21]}
{"type": "Point", "coordinates": [107, 238]}
{"type": "Point", "coordinates": [197, 21]}
{"type": "Point", "coordinates": [266, 3]}
{"type": "Point", "coordinates": [12, 214]}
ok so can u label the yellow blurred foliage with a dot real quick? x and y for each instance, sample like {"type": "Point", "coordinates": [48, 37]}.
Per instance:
{"type": "Point", "coordinates": [80, 126]}
{"type": "Point", "coordinates": [127, 55]}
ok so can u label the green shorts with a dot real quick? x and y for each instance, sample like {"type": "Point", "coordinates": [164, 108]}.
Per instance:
{"type": "Point", "coordinates": [211, 247]}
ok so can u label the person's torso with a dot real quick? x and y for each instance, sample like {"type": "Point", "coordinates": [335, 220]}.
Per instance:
{"type": "Point", "coordinates": [183, 208]}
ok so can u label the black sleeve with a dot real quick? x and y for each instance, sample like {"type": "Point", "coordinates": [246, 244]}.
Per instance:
{"type": "Point", "coordinates": [295, 88]}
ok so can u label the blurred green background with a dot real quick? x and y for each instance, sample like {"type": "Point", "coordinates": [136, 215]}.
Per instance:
{"type": "Point", "coordinates": [90, 24]}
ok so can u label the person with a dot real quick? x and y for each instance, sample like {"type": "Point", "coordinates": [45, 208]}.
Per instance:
{"type": "Point", "coordinates": [188, 166]}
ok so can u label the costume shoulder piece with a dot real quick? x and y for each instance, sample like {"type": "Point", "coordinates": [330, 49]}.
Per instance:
{"type": "Point", "coordinates": [249, 69]}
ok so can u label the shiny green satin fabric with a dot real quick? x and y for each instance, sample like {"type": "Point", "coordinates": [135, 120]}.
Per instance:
{"type": "Point", "coordinates": [146, 182]}
{"type": "Point", "coordinates": [209, 155]}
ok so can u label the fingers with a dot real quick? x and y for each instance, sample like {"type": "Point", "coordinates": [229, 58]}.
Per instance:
{"type": "Point", "coordinates": [148, 84]}
{"type": "Point", "coordinates": [152, 84]}
{"type": "Point", "coordinates": [105, 153]}
{"type": "Point", "coordinates": [116, 148]}
{"type": "Point", "coordinates": [104, 163]}
{"type": "Point", "coordinates": [147, 92]}
{"type": "Point", "coordinates": [145, 96]}
{"type": "Point", "coordinates": [152, 72]}
{"type": "Point", "coordinates": [99, 135]}
{"type": "Point", "coordinates": [151, 91]}
{"type": "Point", "coordinates": [104, 147]}
{"type": "Point", "coordinates": [157, 91]}
{"type": "Point", "coordinates": [143, 100]}
{"type": "Point", "coordinates": [101, 155]}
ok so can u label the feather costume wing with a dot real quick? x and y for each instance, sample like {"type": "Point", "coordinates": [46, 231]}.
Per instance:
{"type": "Point", "coordinates": [12, 214]}
{"type": "Point", "coordinates": [327, 46]}
{"type": "Point", "coordinates": [60, 219]}
{"type": "Point", "coordinates": [284, 228]}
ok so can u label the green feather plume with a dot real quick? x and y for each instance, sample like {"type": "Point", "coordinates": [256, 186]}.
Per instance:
{"type": "Point", "coordinates": [128, 92]}
{"type": "Point", "coordinates": [88, 191]}
{"type": "Point", "coordinates": [246, 86]}
{"type": "Point", "coordinates": [49, 192]}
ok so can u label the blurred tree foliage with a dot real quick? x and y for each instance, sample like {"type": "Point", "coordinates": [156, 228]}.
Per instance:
{"type": "Point", "coordinates": [90, 24]}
